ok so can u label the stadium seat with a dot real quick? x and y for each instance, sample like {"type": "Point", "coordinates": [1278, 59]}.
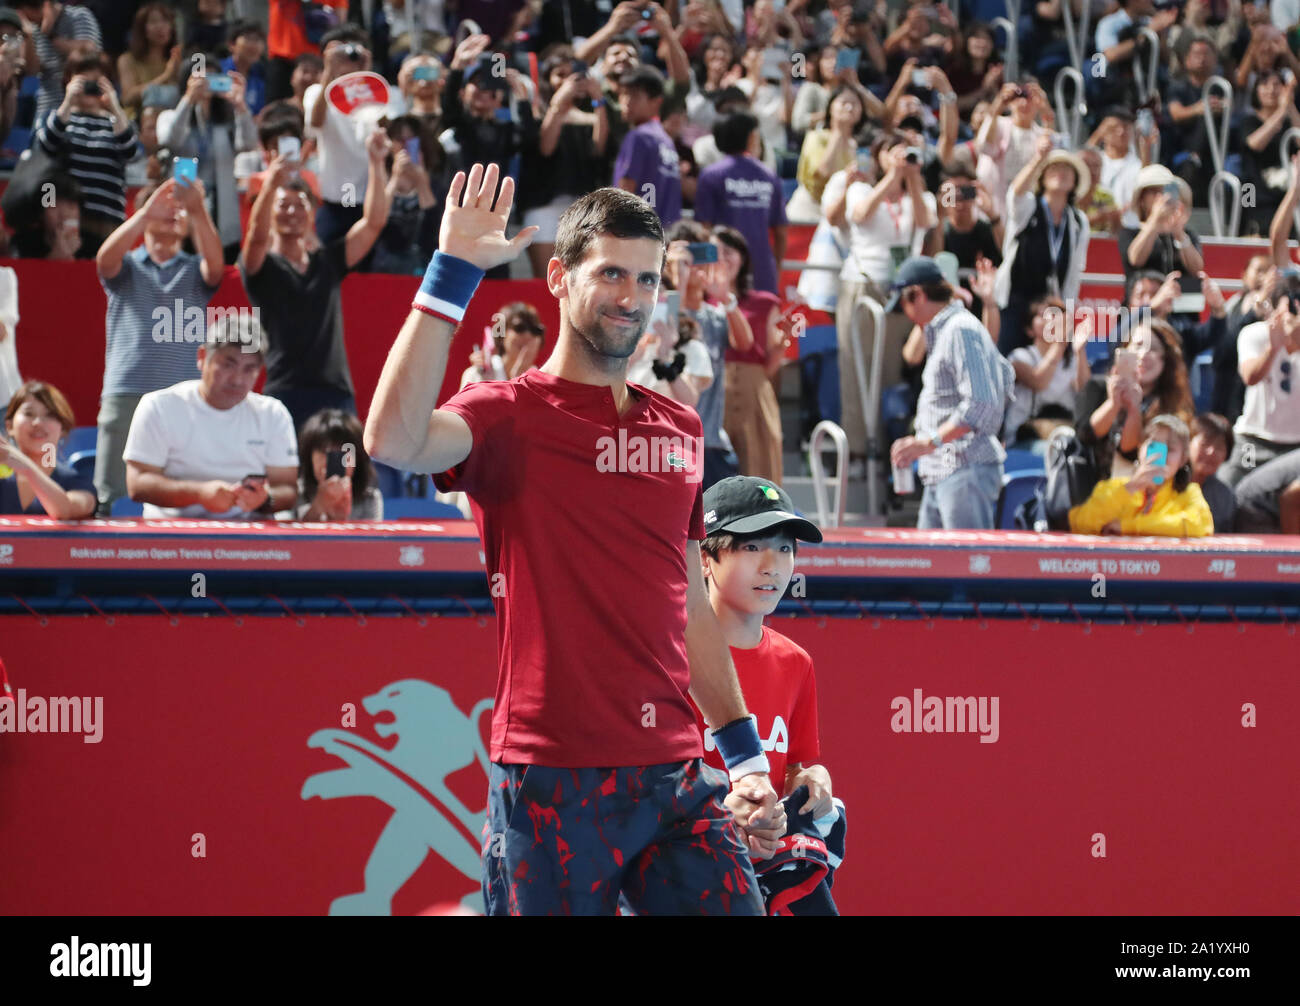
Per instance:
{"type": "Point", "coordinates": [126, 507]}
{"type": "Point", "coordinates": [896, 410]}
{"type": "Point", "coordinates": [392, 482]}
{"type": "Point", "coordinates": [80, 440]}
{"type": "Point", "coordinates": [788, 186]}
{"type": "Point", "coordinates": [1022, 460]}
{"type": "Point", "coordinates": [415, 507]}
{"type": "Point", "coordinates": [83, 463]}
{"type": "Point", "coordinates": [1017, 486]}
{"type": "Point", "coordinates": [1202, 381]}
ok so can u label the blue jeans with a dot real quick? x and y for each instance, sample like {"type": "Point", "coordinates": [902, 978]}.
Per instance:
{"type": "Point", "coordinates": [967, 499]}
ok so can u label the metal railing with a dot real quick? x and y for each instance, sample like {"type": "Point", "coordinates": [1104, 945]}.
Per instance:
{"type": "Point", "coordinates": [1011, 61]}
{"type": "Point", "coordinates": [1218, 137]}
{"type": "Point", "coordinates": [1284, 158]}
{"type": "Point", "coordinates": [869, 389]}
{"type": "Point", "coordinates": [1233, 183]}
{"type": "Point", "coordinates": [1146, 86]}
{"type": "Point", "coordinates": [832, 516]}
{"type": "Point", "coordinates": [1076, 37]}
{"type": "Point", "coordinates": [1070, 116]}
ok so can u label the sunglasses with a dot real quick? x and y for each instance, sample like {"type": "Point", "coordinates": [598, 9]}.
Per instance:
{"type": "Point", "coordinates": [1285, 383]}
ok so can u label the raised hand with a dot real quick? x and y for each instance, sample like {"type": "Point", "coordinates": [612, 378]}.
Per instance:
{"type": "Point", "coordinates": [473, 228]}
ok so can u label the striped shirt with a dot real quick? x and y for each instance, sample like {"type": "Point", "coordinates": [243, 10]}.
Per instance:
{"type": "Point", "coordinates": [965, 379]}
{"type": "Point", "coordinates": [96, 156]}
{"type": "Point", "coordinates": [155, 323]}
{"type": "Point", "coordinates": [76, 24]}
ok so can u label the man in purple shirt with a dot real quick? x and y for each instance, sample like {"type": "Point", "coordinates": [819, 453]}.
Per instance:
{"type": "Point", "coordinates": [647, 164]}
{"type": "Point", "coordinates": [740, 191]}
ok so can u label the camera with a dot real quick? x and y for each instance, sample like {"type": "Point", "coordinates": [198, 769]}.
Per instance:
{"type": "Point", "coordinates": [352, 52]}
{"type": "Point", "coordinates": [92, 89]}
{"type": "Point", "coordinates": [913, 155]}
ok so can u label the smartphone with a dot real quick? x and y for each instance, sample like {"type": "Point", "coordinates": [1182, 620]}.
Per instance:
{"type": "Point", "coordinates": [219, 83]}
{"type": "Point", "coordinates": [774, 63]}
{"type": "Point", "coordinates": [1189, 303]}
{"type": "Point", "coordinates": [1173, 192]}
{"type": "Point", "coordinates": [966, 192]}
{"type": "Point", "coordinates": [847, 59]}
{"type": "Point", "coordinates": [864, 160]}
{"type": "Point", "coordinates": [920, 78]}
{"type": "Point", "coordinates": [253, 481]}
{"type": "Point", "coordinates": [92, 88]}
{"type": "Point", "coordinates": [289, 147]}
{"type": "Point", "coordinates": [1126, 364]}
{"type": "Point", "coordinates": [1146, 122]}
{"type": "Point", "coordinates": [425, 72]}
{"type": "Point", "coordinates": [185, 169]}
{"type": "Point", "coordinates": [334, 464]}
{"type": "Point", "coordinates": [413, 148]}
{"type": "Point", "coordinates": [580, 68]}
{"type": "Point", "coordinates": [703, 252]}
{"type": "Point", "coordinates": [1158, 453]}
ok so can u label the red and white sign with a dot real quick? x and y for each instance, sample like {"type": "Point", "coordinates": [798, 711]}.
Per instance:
{"type": "Point", "coordinates": [354, 91]}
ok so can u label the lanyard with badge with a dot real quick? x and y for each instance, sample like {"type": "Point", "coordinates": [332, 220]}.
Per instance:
{"type": "Point", "coordinates": [1055, 241]}
{"type": "Point", "coordinates": [898, 253]}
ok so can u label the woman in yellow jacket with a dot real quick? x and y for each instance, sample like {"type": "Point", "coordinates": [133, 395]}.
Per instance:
{"type": "Point", "coordinates": [1159, 499]}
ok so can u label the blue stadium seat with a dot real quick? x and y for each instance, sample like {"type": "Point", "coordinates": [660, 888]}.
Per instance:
{"type": "Point", "coordinates": [788, 186]}
{"type": "Point", "coordinates": [1016, 488]}
{"type": "Point", "coordinates": [83, 463]}
{"type": "Point", "coordinates": [1202, 380]}
{"type": "Point", "coordinates": [80, 440]}
{"type": "Point", "coordinates": [818, 339]}
{"type": "Point", "coordinates": [1020, 460]}
{"type": "Point", "coordinates": [392, 482]}
{"type": "Point", "coordinates": [411, 506]}
{"type": "Point", "coordinates": [896, 410]}
{"type": "Point", "coordinates": [126, 507]}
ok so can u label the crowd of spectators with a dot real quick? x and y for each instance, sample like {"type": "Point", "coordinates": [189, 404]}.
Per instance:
{"type": "Point", "coordinates": [179, 138]}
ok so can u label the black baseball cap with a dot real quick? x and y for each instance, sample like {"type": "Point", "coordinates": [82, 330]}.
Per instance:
{"type": "Point", "coordinates": [10, 16]}
{"type": "Point", "coordinates": [746, 504]}
{"type": "Point", "coordinates": [915, 271]}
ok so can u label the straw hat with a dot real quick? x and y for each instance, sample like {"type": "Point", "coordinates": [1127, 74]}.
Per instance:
{"type": "Point", "coordinates": [1083, 177]}
{"type": "Point", "coordinates": [1157, 176]}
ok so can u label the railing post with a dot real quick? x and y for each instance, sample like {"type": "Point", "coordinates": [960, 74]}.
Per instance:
{"type": "Point", "coordinates": [1233, 183]}
{"type": "Point", "coordinates": [1070, 116]}
{"type": "Point", "coordinates": [869, 389]}
{"type": "Point", "coordinates": [1218, 136]}
{"type": "Point", "coordinates": [834, 515]}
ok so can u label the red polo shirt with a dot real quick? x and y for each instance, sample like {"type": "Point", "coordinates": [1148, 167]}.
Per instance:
{"type": "Point", "coordinates": [591, 605]}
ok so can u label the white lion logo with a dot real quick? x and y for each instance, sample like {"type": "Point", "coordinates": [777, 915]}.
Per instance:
{"type": "Point", "coordinates": [434, 740]}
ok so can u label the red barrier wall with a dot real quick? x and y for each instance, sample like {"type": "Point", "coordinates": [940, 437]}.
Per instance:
{"type": "Point", "coordinates": [1134, 734]}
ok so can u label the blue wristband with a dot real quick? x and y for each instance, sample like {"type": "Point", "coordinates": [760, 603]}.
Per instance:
{"type": "Point", "coordinates": [448, 285]}
{"type": "Point", "coordinates": [741, 750]}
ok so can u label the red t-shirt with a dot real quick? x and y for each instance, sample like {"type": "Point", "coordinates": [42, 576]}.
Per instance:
{"type": "Point", "coordinates": [755, 306]}
{"type": "Point", "coordinates": [285, 35]}
{"type": "Point", "coordinates": [777, 680]}
{"type": "Point", "coordinates": [591, 605]}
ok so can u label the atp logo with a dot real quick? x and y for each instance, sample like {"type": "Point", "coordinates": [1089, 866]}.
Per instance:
{"type": "Point", "coordinates": [434, 741]}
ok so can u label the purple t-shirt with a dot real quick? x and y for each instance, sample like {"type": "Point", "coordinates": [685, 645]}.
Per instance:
{"type": "Point", "coordinates": [648, 157]}
{"type": "Point", "coordinates": [743, 193]}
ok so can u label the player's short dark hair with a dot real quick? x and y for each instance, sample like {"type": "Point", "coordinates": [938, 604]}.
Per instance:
{"type": "Point", "coordinates": [1211, 424]}
{"type": "Point", "coordinates": [609, 211]}
{"type": "Point", "coordinates": [733, 132]}
{"type": "Point", "coordinates": [715, 544]}
{"type": "Point", "coordinates": [645, 79]}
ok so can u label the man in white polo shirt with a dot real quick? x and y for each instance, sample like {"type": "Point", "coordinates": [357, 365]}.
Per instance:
{"type": "Point", "coordinates": [210, 447]}
{"type": "Point", "coordinates": [1268, 355]}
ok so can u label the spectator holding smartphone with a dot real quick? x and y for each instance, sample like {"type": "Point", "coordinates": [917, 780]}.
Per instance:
{"type": "Point", "coordinates": [54, 30]}
{"type": "Point", "coordinates": [1147, 379]}
{"type": "Point", "coordinates": [212, 447]}
{"type": "Point", "coordinates": [143, 355]}
{"type": "Point", "coordinates": [419, 85]}
{"type": "Point", "coordinates": [1006, 144]}
{"type": "Point", "coordinates": [296, 286]}
{"type": "Point", "coordinates": [1159, 498]}
{"type": "Point", "coordinates": [564, 151]}
{"type": "Point", "coordinates": [336, 481]}
{"type": "Point", "coordinates": [517, 339]}
{"type": "Point", "coordinates": [247, 45]}
{"type": "Point", "coordinates": [340, 140]}
{"type": "Point", "coordinates": [410, 236]}
{"type": "Point", "coordinates": [1162, 241]}
{"type": "Point", "coordinates": [280, 132]}
{"type": "Point", "coordinates": [90, 132]}
{"type": "Point", "coordinates": [212, 124]}
{"type": "Point", "coordinates": [37, 418]}
{"type": "Point", "coordinates": [826, 150]}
